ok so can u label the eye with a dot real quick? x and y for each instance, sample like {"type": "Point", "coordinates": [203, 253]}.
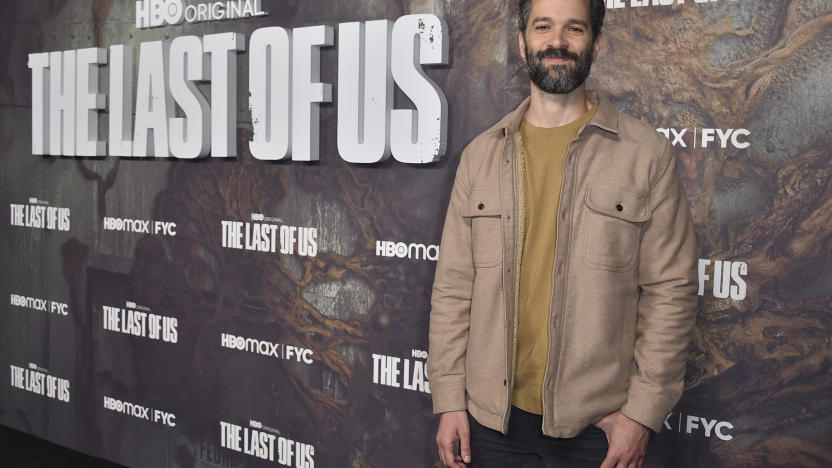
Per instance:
{"type": "Point", "coordinates": [577, 29]}
{"type": "Point", "coordinates": [542, 27]}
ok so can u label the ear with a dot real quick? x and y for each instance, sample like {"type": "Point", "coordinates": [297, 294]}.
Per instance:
{"type": "Point", "coordinates": [600, 43]}
{"type": "Point", "coordinates": [521, 41]}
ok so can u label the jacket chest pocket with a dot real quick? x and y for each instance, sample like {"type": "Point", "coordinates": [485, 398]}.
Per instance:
{"type": "Point", "coordinates": [612, 227]}
{"type": "Point", "coordinates": [483, 210]}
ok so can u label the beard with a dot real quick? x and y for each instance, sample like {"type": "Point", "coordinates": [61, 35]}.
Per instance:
{"type": "Point", "coordinates": [559, 79]}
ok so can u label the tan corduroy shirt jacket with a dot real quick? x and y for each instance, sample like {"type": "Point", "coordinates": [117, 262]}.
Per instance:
{"type": "Point", "coordinates": [624, 286]}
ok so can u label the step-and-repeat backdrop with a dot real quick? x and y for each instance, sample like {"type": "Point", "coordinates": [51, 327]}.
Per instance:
{"type": "Point", "coordinates": [224, 219]}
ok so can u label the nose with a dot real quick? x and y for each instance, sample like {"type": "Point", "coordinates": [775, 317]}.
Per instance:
{"type": "Point", "coordinates": [558, 38]}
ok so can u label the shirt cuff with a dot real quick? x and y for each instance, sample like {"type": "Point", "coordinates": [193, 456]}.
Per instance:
{"type": "Point", "coordinates": [448, 398]}
{"type": "Point", "coordinates": [645, 412]}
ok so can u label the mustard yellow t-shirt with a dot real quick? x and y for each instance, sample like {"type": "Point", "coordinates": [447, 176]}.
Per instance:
{"type": "Point", "coordinates": [545, 151]}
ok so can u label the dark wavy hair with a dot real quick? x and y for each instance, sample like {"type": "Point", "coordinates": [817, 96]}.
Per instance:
{"type": "Point", "coordinates": [597, 8]}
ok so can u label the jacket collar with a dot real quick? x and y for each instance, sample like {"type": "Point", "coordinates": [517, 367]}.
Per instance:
{"type": "Point", "coordinates": [605, 118]}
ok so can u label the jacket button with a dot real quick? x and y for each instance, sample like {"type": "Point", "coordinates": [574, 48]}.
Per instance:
{"type": "Point", "coordinates": [617, 207]}
{"type": "Point", "coordinates": [505, 382]}
{"type": "Point", "coordinates": [482, 206]}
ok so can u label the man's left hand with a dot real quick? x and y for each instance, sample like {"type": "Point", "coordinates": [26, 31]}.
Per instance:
{"type": "Point", "coordinates": [627, 439]}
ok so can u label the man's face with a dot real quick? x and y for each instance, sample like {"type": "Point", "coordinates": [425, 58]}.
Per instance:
{"type": "Point", "coordinates": [558, 45]}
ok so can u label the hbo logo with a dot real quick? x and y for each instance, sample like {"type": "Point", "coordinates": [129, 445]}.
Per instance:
{"type": "Point", "coordinates": [154, 13]}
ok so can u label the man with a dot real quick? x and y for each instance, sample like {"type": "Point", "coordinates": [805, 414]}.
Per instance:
{"type": "Point", "coordinates": [564, 295]}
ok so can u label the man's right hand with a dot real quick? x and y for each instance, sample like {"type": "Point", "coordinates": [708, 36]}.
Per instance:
{"type": "Point", "coordinates": [453, 427]}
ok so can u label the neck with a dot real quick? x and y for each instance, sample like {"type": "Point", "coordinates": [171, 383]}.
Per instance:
{"type": "Point", "coordinates": [555, 110]}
